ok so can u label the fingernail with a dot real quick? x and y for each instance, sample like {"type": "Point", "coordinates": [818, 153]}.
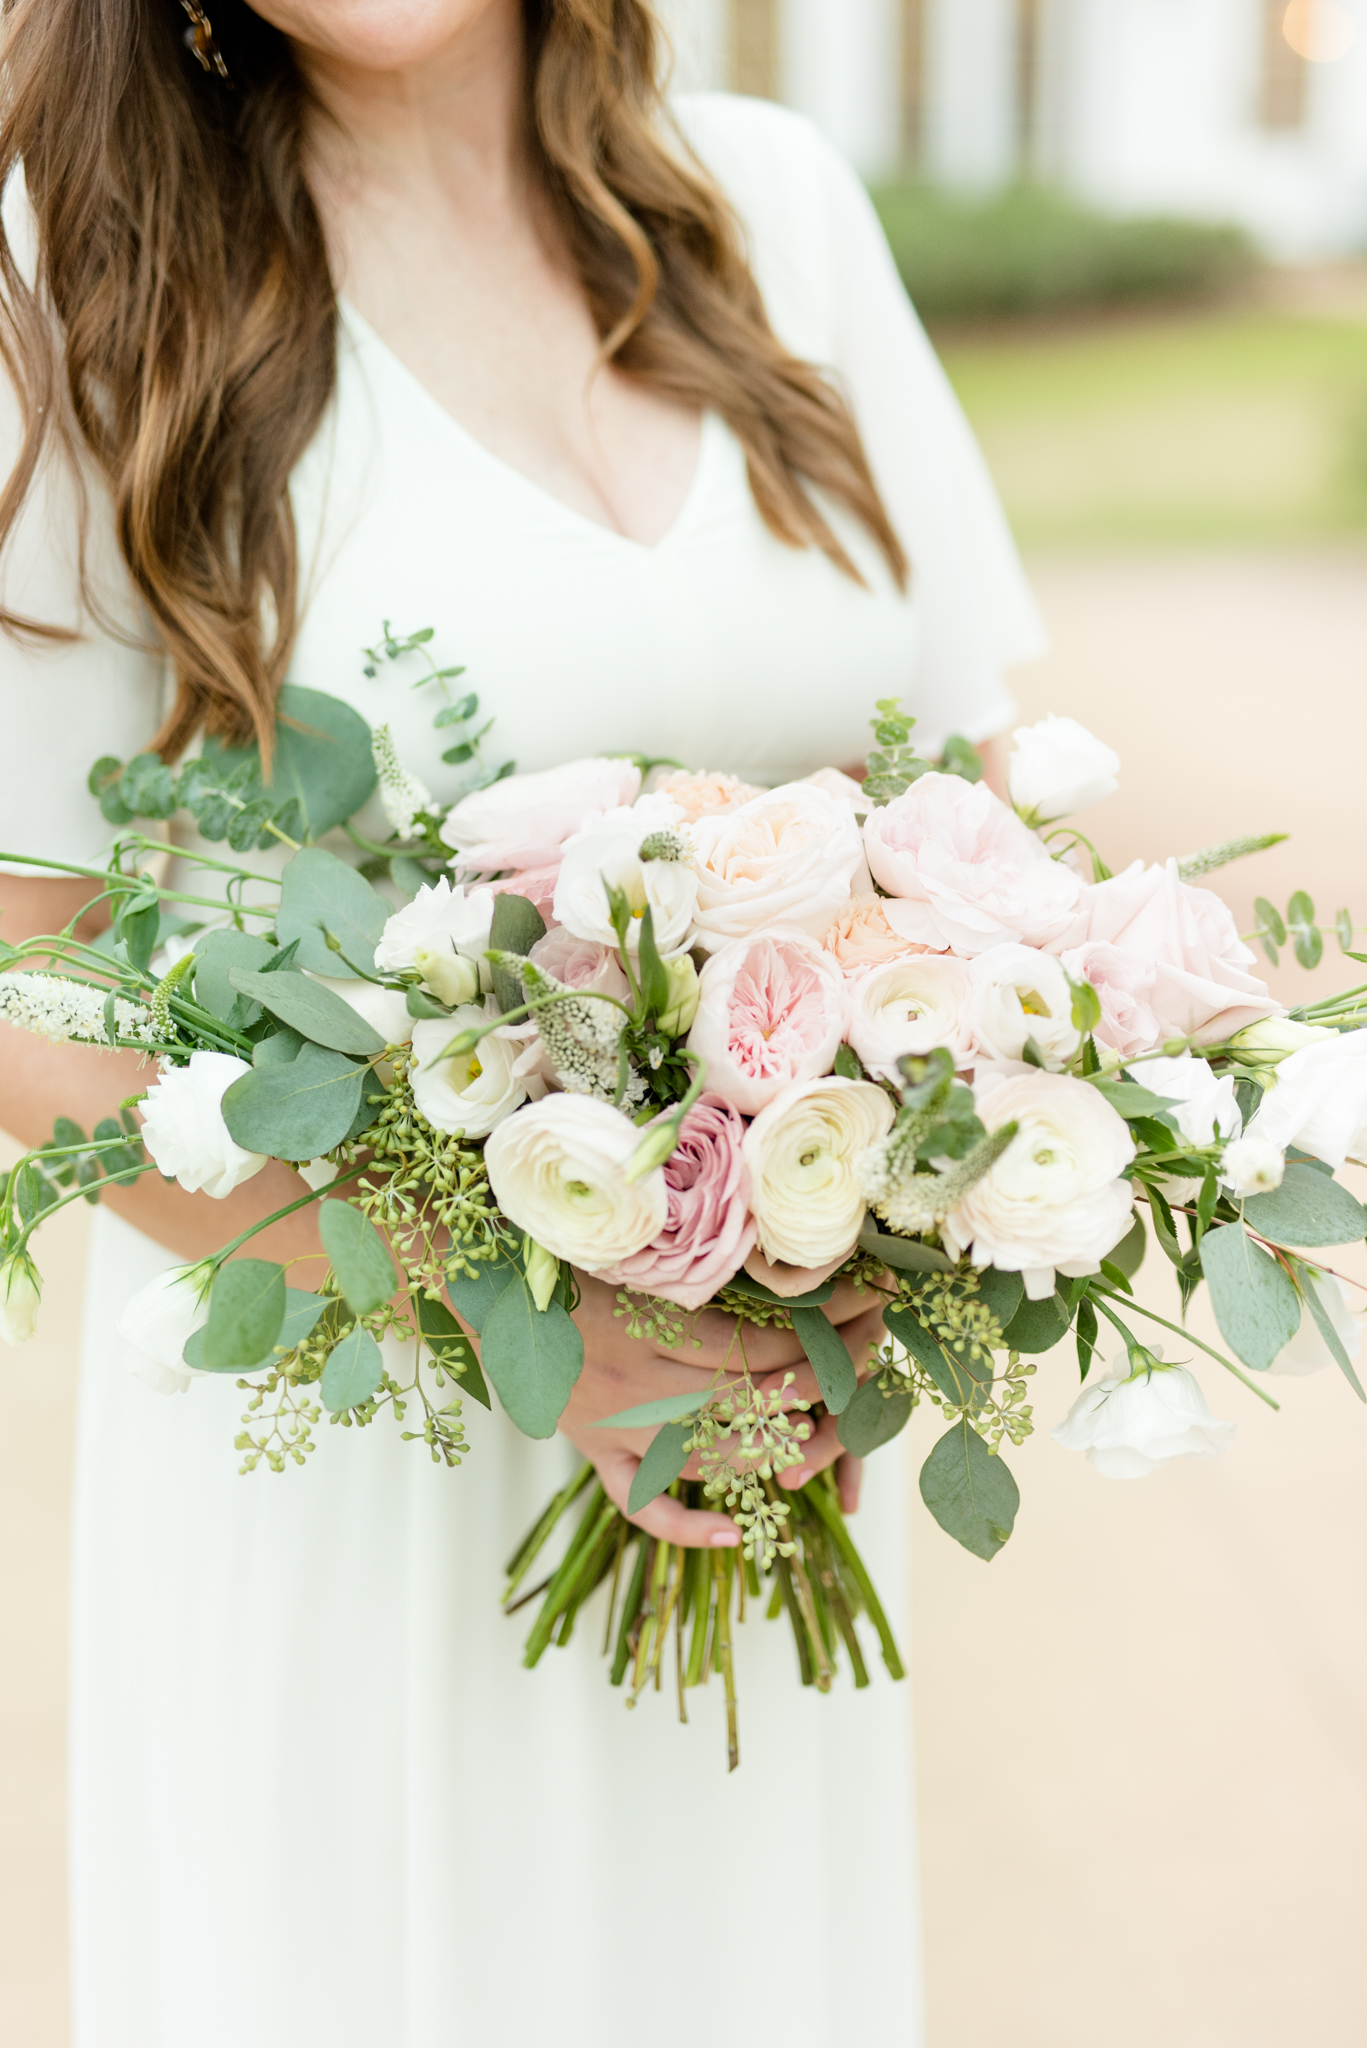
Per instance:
{"type": "Point", "coordinates": [726, 1539]}
{"type": "Point", "coordinates": [793, 1478]}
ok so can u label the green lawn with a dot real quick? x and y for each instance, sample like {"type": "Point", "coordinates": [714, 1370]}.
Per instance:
{"type": "Point", "coordinates": [1227, 426]}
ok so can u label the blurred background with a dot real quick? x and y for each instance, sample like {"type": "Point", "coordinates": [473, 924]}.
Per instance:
{"type": "Point", "coordinates": [1137, 230]}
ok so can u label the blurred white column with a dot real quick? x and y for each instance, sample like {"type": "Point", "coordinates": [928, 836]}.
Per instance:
{"type": "Point", "coordinates": [840, 62]}
{"type": "Point", "coordinates": [970, 118]}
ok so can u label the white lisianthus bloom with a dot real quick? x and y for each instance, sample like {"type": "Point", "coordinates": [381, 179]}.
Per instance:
{"type": "Point", "coordinates": [383, 1009]}
{"type": "Point", "coordinates": [156, 1324]}
{"type": "Point", "coordinates": [524, 820]}
{"type": "Point", "coordinates": [1130, 1423]}
{"type": "Point", "coordinates": [1019, 994]}
{"type": "Point", "coordinates": [787, 857]}
{"type": "Point", "coordinates": [558, 1171]}
{"type": "Point", "coordinates": [183, 1128]}
{"type": "Point", "coordinates": [1274, 1039]}
{"type": "Point", "coordinates": [1307, 1352]}
{"type": "Point", "coordinates": [1318, 1102]}
{"type": "Point", "coordinates": [21, 1289]}
{"type": "Point", "coordinates": [910, 1005]}
{"type": "Point", "coordinates": [803, 1152]}
{"type": "Point", "coordinates": [469, 1092]}
{"type": "Point", "coordinates": [443, 935]}
{"type": "Point", "coordinates": [1057, 1200]}
{"type": "Point", "coordinates": [1058, 767]}
{"type": "Point", "coordinates": [1252, 1166]}
{"type": "Point", "coordinates": [609, 851]}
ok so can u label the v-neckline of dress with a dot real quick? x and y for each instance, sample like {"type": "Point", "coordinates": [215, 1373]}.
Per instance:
{"type": "Point", "coordinates": [710, 430]}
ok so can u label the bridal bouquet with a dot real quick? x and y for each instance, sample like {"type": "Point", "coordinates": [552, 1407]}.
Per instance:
{"type": "Point", "coordinates": [719, 1047]}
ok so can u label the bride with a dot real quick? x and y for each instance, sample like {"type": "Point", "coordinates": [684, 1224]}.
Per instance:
{"type": "Point", "coordinates": [320, 313]}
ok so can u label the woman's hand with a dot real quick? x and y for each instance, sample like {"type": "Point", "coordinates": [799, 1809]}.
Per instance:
{"type": "Point", "coordinates": [624, 1372]}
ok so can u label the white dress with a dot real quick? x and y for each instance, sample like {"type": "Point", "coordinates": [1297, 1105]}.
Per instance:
{"type": "Point", "coordinates": [315, 1797]}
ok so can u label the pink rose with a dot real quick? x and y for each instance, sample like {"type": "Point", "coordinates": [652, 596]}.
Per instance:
{"type": "Point", "coordinates": [709, 1229]}
{"type": "Point", "coordinates": [862, 937]}
{"type": "Point", "coordinates": [523, 821]}
{"type": "Point", "coordinates": [1201, 985]}
{"type": "Point", "coordinates": [705, 796]}
{"type": "Point", "coordinates": [788, 857]}
{"type": "Point", "coordinates": [1123, 984]}
{"type": "Point", "coordinates": [771, 1010]}
{"type": "Point", "coordinates": [963, 870]}
{"type": "Point", "coordinates": [579, 963]}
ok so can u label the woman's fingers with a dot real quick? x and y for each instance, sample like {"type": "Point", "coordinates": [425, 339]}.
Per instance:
{"type": "Point", "coordinates": [668, 1520]}
{"type": "Point", "coordinates": [849, 1477]}
{"type": "Point", "coordinates": [821, 1449]}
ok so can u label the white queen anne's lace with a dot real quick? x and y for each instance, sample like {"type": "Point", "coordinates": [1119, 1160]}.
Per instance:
{"type": "Point", "coordinates": [59, 1010]}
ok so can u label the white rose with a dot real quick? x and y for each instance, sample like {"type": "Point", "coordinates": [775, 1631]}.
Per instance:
{"type": "Point", "coordinates": [155, 1324]}
{"type": "Point", "coordinates": [1318, 1102]}
{"type": "Point", "coordinates": [524, 820]}
{"type": "Point", "coordinates": [1018, 994]}
{"type": "Point", "coordinates": [1307, 1352]}
{"type": "Point", "coordinates": [1203, 1106]}
{"type": "Point", "coordinates": [609, 851]}
{"type": "Point", "coordinates": [803, 1152]}
{"type": "Point", "coordinates": [467, 1092]}
{"type": "Point", "coordinates": [1056, 1200]}
{"type": "Point", "coordinates": [21, 1290]}
{"type": "Point", "coordinates": [910, 1005]}
{"type": "Point", "coordinates": [558, 1171]}
{"type": "Point", "coordinates": [183, 1128]}
{"type": "Point", "coordinates": [771, 1010]}
{"type": "Point", "coordinates": [1130, 1424]}
{"type": "Point", "coordinates": [1252, 1166]}
{"type": "Point", "coordinates": [963, 872]}
{"type": "Point", "coordinates": [1058, 767]}
{"type": "Point", "coordinates": [383, 1009]}
{"type": "Point", "coordinates": [787, 857]}
{"type": "Point", "coordinates": [442, 935]}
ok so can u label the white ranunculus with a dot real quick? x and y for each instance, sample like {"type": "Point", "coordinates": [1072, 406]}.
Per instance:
{"type": "Point", "coordinates": [1307, 1352]}
{"type": "Point", "coordinates": [771, 1010]}
{"type": "Point", "coordinates": [1318, 1101]}
{"type": "Point", "coordinates": [154, 1326]}
{"type": "Point", "coordinates": [609, 851]}
{"type": "Point", "coordinates": [524, 820]}
{"type": "Point", "coordinates": [1019, 994]}
{"type": "Point", "coordinates": [383, 1009]}
{"type": "Point", "coordinates": [442, 935]}
{"type": "Point", "coordinates": [469, 1092]}
{"type": "Point", "coordinates": [787, 857]}
{"type": "Point", "coordinates": [183, 1128]}
{"type": "Point", "coordinates": [910, 1005]}
{"type": "Point", "coordinates": [558, 1171]}
{"type": "Point", "coordinates": [1058, 767]}
{"type": "Point", "coordinates": [1131, 1423]}
{"type": "Point", "coordinates": [21, 1289]}
{"type": "Point", "coordinates": [803, 1152]}
{"type": "Point", "coordinates": [1274, 1039]}
{"type": "Point", "coordinates": [1057, 1200]}
{"type": "Point", "coordinates": [1252, 1166]}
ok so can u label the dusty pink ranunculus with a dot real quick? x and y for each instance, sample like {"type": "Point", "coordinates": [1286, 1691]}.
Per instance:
{"type": "Point", "coordinates": [964, 873]}
{"type": "Point", "coordinates": [862, 937]}
{"type": "Point", "coordinates": [524, 820]}
{"type": "Point", "coordinates": [704, 796]}
{"type": "Point", "coordinates": [771, 1010]}
{"type": "Point", "coordinates": [1123, 984]}
{"type": "Point", "coordinates": [709, 1230]}
{"type": "Point", "coordinates": [1201, 988]}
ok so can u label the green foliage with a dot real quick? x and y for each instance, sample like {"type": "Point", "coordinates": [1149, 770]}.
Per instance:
{"type": "Point", "coordinates": [1307, 1209]}
{"type": "Point", "coordinates": [354, 1371]}
{"type": "Point", "coordinates": [970, 1492]}
{"type": "Point", "coordinates": [895, 764]}
{"type": "Point", "coordinates": [1129, 1098]}
{"type": "Point", "coordinates": [532, 1357]}
{"type": "Point", "coordinates": [666, 1455]}
{"type": "Point", "coordinates": [451, 1347]}
{"type": "Point", "coordinates": [755, 1290]}
{"type": "Point", "coordinates": [516, 927]}
{"type": "Point", "coordinates": [1039, 1325]}
{"type": "Point", "coordinates": [1128, 1255]}
{"type": "Point", "coordinates": [1030, 252]}
{"type": "Point", "coordinates": [246, 1313]}
{"type": "Point", "coordinates": [902, 1254]}
{"type": "Point", "coordinates": [296, 1110]}
{"type": "Point", "coordinates": [360, 1258]}
{"type": "Point", "coordinates": [475, 1293]}
{"type": "Point", "coordinates": [875, 1415]}
{"type": "Point", "coordinates": [215, 953]}
{"type": "Point", "coordinates": [826, 1353]}
{"type": "Point", "coordinates": [1306, 936]}
{"type": "Point", "coordinates": [1254, 1298]}
{"type": "Point", "coordinates": [1271, 932]}
{"type": "Point", "coordinates": [317, 1013]}
{"type": "Point", "coordinates": [301, 1314]}
{"type": "Point", "coordinates": [321, 896]}
{"type": "Point", "coordinates": [1325, 1325]}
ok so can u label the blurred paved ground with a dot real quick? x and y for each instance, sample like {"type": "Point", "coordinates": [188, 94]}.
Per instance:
{"type": "Point", "coordinates": [1141, 1729]}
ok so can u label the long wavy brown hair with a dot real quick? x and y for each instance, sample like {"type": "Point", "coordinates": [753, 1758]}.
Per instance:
{"type": "Point", "coordinates": [181, 324]}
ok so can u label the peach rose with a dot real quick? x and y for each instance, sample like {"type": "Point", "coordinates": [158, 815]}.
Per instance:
{"type": "Point", "coordinates": [703, 796]}
{"type": "Point", "coordinates": [862, 937]}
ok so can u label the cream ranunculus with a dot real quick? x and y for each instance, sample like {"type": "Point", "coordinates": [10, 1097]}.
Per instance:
{"type": "Point", "coordinates": [910, 1005]}
{"type": "Point", "coordinates": [183, 1128]}
{"type": "Point", "coordinates": [524, 820]}
{"type": "Point", "coordinates": [1020, 994]}
{"type": "Point", "coordinates": [1318, 1102]}
{"type": "Point", "coordinates": [468, 1092]}
{"type": "Point", "coordinates": [771, 1010]}
{"type": "Point", "coordinates": [1058, 767]}
{"type": "Point", "coordinates": [442, 935]}
{"type": "Point", "coordinates": [803, 1154]}
{"type": "Point", "coordinates": [609, 851]}
{"type": "Point", "coordinates": [558, 1171]}
{"type": "Point", "coordinates": [962, 871]}
{"type": "Point", "coordinates": [21, 1289]}
{"type": "Point", "coordinates": [1056, 1201]}
{"type": "Point", "coordinates": [787, 857]}
{"type": "Point", "coordinates": [154, 1326]}
{"type": "Point", "coordinates": [1135, 1420]}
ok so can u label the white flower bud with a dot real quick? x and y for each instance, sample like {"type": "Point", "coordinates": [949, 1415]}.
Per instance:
{"type": "Point", "coordinates": [1058, 767]}
{"type": "Point", "coordinates": [21, 1289]}
{"type": "Point", "coordinates": [1252, 1165]}
{"type": "Point", "coordinates": [1274, 1039]}
{"type": "Point", "coordinates": [446, 974]}
{"type": "Point", "coordinates": [542, 1269]}
{"type": "Point", "coordinates": [684, 991]}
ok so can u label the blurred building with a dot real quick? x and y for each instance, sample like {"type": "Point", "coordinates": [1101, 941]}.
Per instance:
{"type": "Point", "coordinates": [1253, 110]}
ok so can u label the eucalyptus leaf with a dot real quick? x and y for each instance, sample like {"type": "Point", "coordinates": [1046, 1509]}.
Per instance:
{"type": "Point", "coordinates": [1128, 1255]}
{"type": "Point", "coordinates": [301, 1313]}
{"type": "Point", "coordinates": [517, 925]}
{"type": "Point", "coordinates": [1255, 1301]}
{"type": "Point", "coordinates": [246, 1311]}
{"type": "Point", "coordinates": [532, 1357]}
{"type": "Point", "coordinates": [452, 1348]}
{"type": "Point", "coordinates": [279, 1048]}
{"type": "Point", "coordinates": [322, 759]}
{"type": "Point", "coordinates": [1128, 1097]}
{"type": "Point", "coordinates": [815, 1297]}
{"type": "Point", "coordinates": [360, 1257]}
{"type": "Point", "coordinates": [1003, 1293]}
{"type": "Point", "coordinates": [970, 1491]}
{"type": "Point", "coordinates": [319, 1013]}
{"type": "Point", "coordinates": [1038, 1325]}
{"type": "Point", "coordinates": [215, 953]}
{"type": "Point", "coordinates": [903, 1254]}
{"type": "Point", "coordinates": [1307, 1209]}
{"type": "Point", "coordinates": [353, 1372]}
{"type": "Point", "coordinates": [473, 1298]}
{"type": "Point", "coordinates": [669, 1408]}
{"type": "Point", "coordinates": [873, 1419]}
{"type": "Point", "coordinates": [1324, 1324]}
{"type": "Point", "coordinates": [665, 1458]}
{"type": "Point", "coordinates": [298, 1109]}
{"type": "Point", "coordinates": [320, 893]}
{"type": "Point", "coordinates": [826, 1353]}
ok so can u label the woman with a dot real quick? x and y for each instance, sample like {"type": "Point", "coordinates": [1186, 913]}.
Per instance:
{"type": "Point", "coordinates": [427, 311]}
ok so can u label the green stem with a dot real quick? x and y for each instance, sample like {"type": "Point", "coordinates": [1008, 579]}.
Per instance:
{"type": "Point", "coordinates": [539, 1534]}
{"type": "Point", "coordinates": [313, 1195]}
{"type": "Point", "coordinates": [128, 1173]}
{"type": "Point", "coordinates": [723, 1566]}
{"type": "Point", "coordinates": [1186, 1335]}
{"type": "Point", "coordinates": [823, 1500]}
